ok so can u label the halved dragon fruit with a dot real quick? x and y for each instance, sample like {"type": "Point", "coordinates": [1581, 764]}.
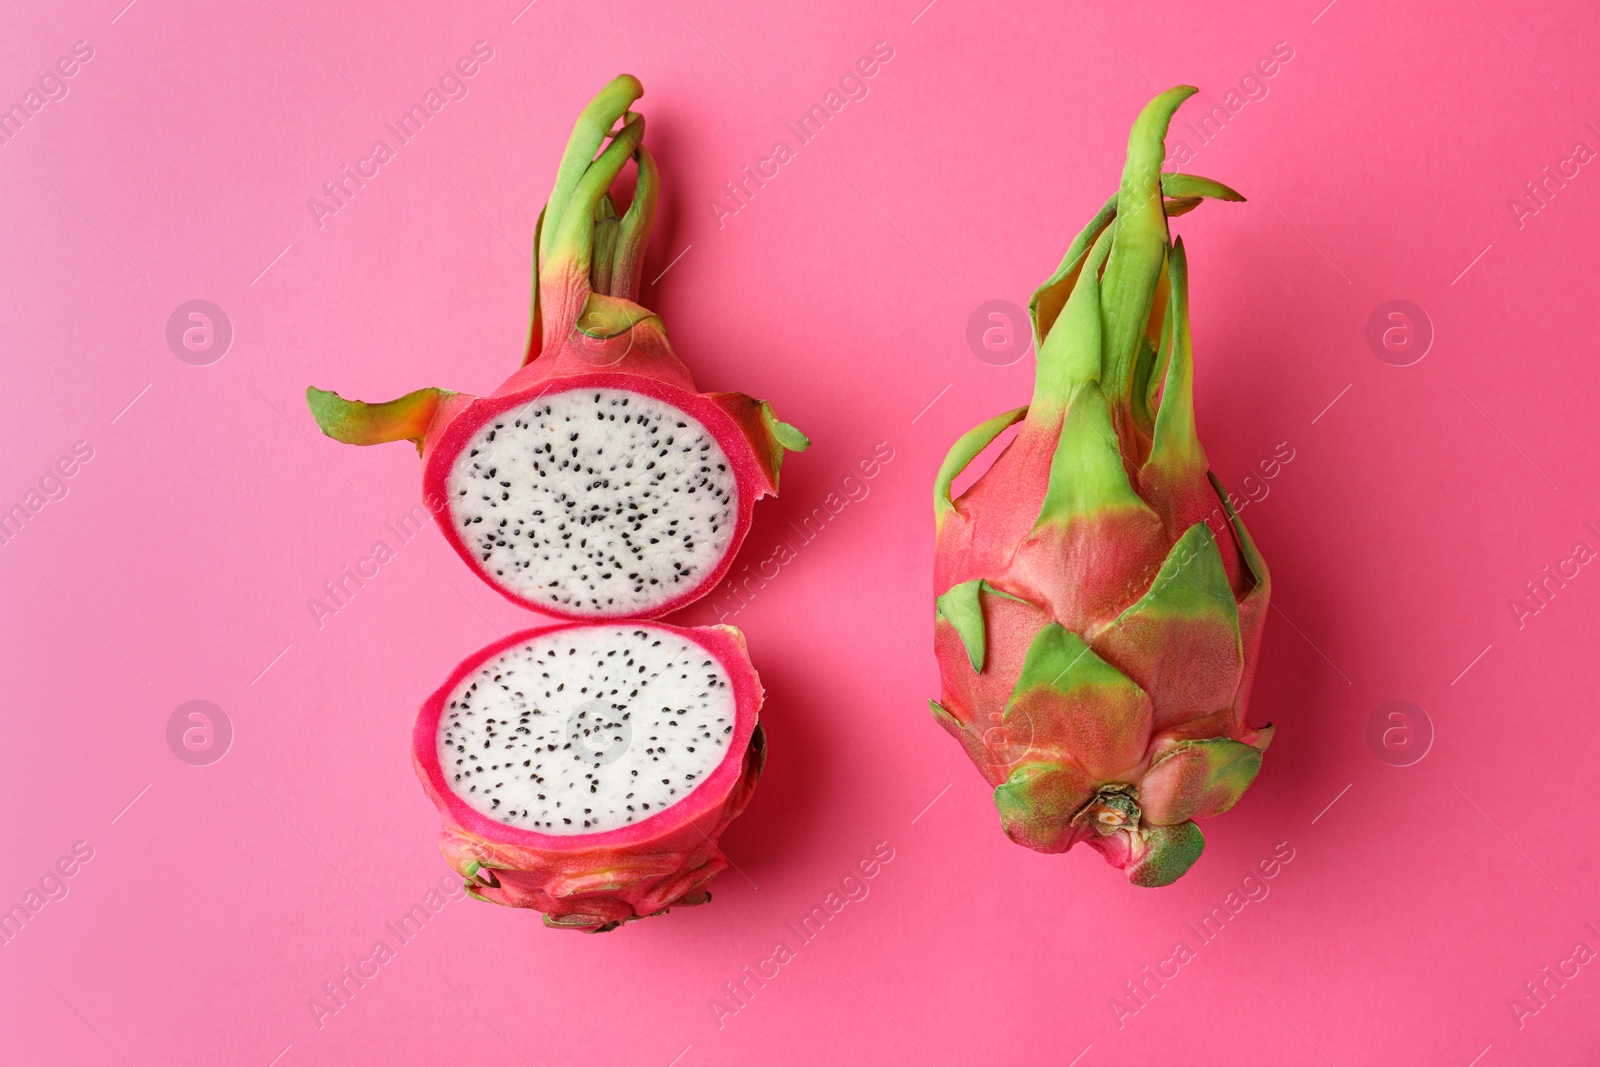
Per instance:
{"type": "Point", "coordinates": [587, 769]}
{"type": "Point", "coordinates": [596, 481]}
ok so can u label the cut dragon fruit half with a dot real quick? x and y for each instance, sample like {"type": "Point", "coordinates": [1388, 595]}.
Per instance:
{"type": "Point", "coordinates": [587, 770]}
{"type": "Point", "coordinates": [597, 481]}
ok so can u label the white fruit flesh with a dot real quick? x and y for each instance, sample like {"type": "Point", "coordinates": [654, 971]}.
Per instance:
{"type": "Point", "coordinates": [600, 502]}
{"type": "Point", "coordinates": [588, 729]}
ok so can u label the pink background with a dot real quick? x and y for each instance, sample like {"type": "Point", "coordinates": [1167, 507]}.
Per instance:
{"type": "Point", "coordinates": [220, 898]}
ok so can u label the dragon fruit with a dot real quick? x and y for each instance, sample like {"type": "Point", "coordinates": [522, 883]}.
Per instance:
{"type": "Point", "coordinates": [587, 769]}
{"type": "Point", "coordinates": [1100, 605]}
{"type": "Point", "coordinates": [596, 481]}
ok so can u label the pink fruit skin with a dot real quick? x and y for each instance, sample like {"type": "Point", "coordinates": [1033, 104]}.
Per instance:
{"type": "Point", "coordinates": [968, 547]}
{"type": "Point", "coordinates": [593, 881]}
{"type": "Point", "coordinates": [640, 360]}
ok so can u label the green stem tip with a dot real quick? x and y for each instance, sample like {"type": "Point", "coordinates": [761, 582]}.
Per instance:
{"type": "Point", "coordinates": [356, 422]}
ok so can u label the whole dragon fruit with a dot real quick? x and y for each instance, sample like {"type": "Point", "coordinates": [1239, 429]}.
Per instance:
{"type": "Point", "coordinates": [588, 769]}
{"type": "Point", "coordinates": [596, 481]}
{"type": "Point", "coordinates": [1099, 605]}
